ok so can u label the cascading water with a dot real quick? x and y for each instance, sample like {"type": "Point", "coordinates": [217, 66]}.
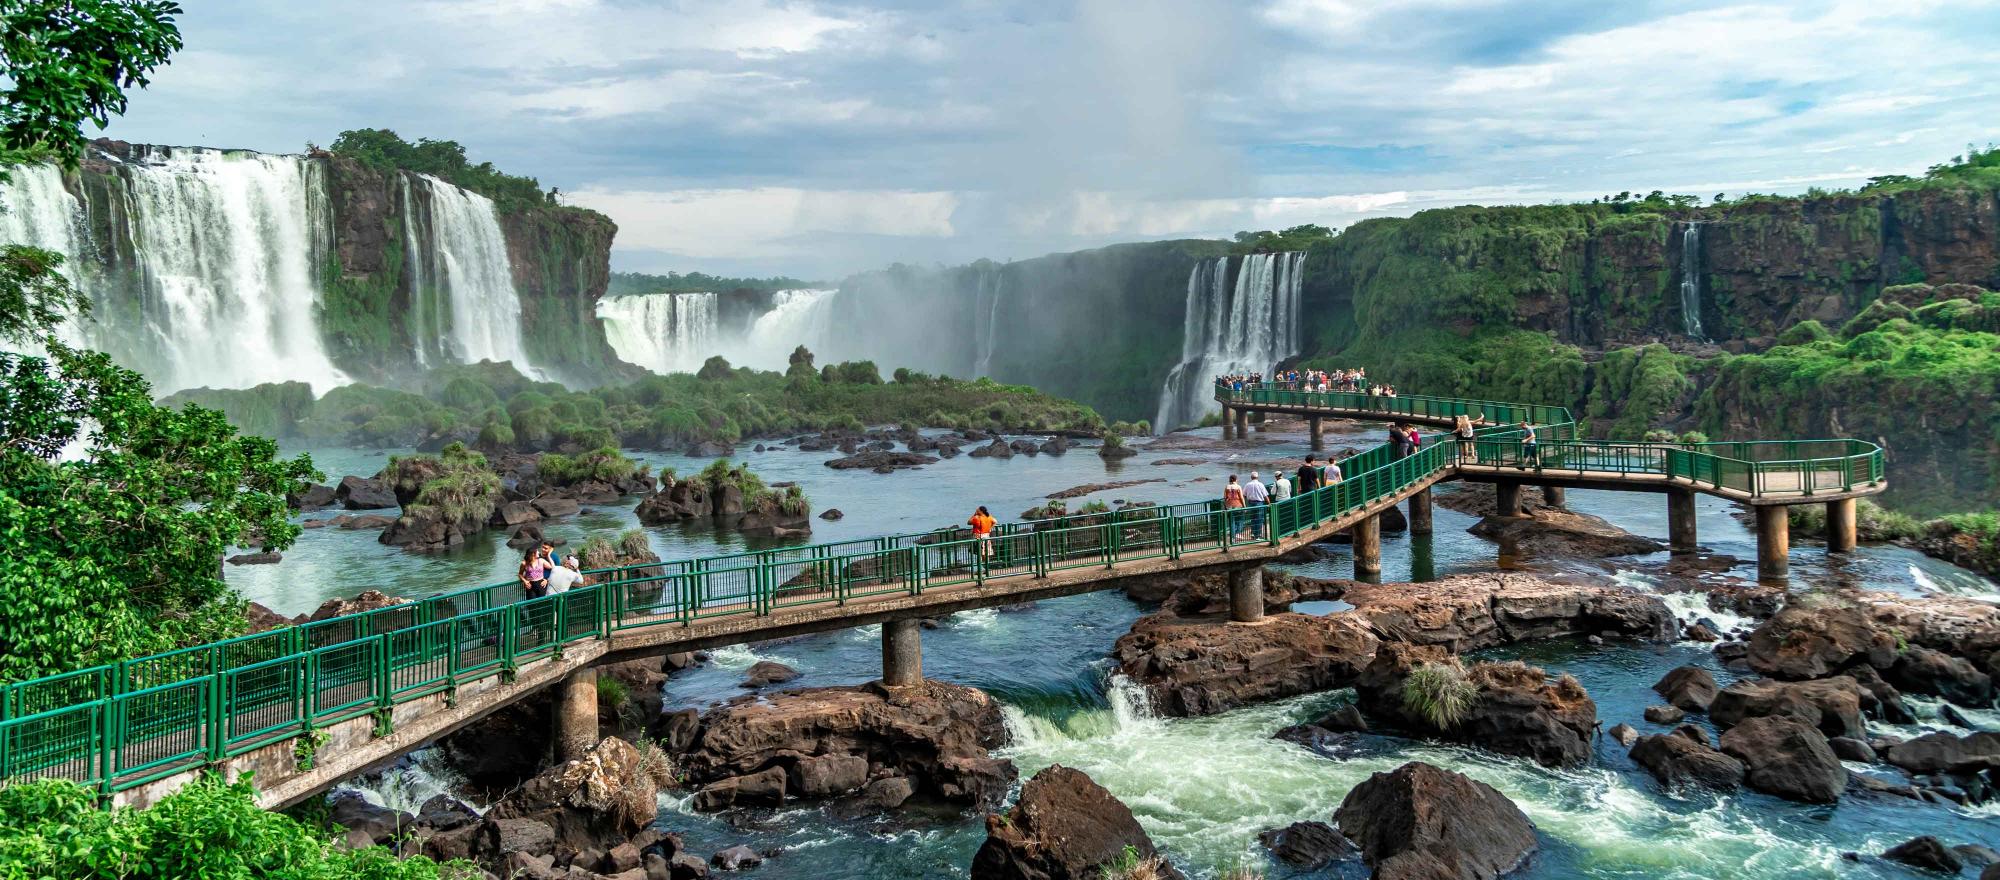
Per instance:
{"type": "Point", "coordinates": [797, 317]}
{"type": "Point", "coordinates": [461, 252]}
{"type": "Point", "coordinates": [1240, 328]}
{"type": "Point", "coordinates": [663, 332]}
{"type": "Point", "coordinates": [986, 317]}
{"type": "Point", "coordinates": [215, 281]}
{"type": "Point", "coordinates": [1691, 280]}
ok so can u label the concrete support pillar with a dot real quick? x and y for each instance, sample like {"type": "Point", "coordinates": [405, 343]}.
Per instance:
{"type": "Point", "coordinates": [1420, 512]}
{"type": "Point", "coordinates": [1680, 521]}
{"type": "Point", "coordinates": [1509, 499]}
{"type": "Point", "coordinates": [1261, 418]}
{"type": "Point", "coordinates": [1228, 423]}
{"type": "Point", "coordinates": [1368, 547]}
{"type": "Point", "coordinates": [1774, 543]}
{"type": "Point", "coordinates": [1840, 525]}
{"type": "Point", "coordinates": [1246, 595]}
{"type": "Point", "coordinates": [902, 653]}
{"type": "Point", "coordinates": [1554, 496]}
{"type": "Point", "coordinates": [576, 715]}
{"type": "Point", "coordinates": [1318, 433]}
{"type": "Point", "coordinates": [1242, 423]}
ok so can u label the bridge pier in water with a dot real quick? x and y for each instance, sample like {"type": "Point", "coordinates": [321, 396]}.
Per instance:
{"type": "Point", "coordinates": [902, 653]}
{"type": "Point", "coordinates": [1508, 498]}
{"type": "Point", "coordinates": [1774, 542]}
{"type": "Point", "coordinates": [1420, 512]}
{"type": "Point", "coordinates": [1554, 496]}
{"type": "Point", "coordinates": [1368, 548]}
{"type": "Point", "coordinates": [1680, 521]}
{"type": "Point", "coordinates": [1242, 423]}
{"type": "Point", "coordinates": [1228, 423]}
{"type": "Point", "coordinates": [1840, 525]}
{"type": "Point", "coordinates": [1246, 594]}
{"type": "Point", "coordinates": [1318, 433]}
{"type": "Point", "coordinates": [576, 715]}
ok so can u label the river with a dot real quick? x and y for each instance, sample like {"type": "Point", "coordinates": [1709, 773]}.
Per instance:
{"type": "Point", "coordinates": [1203, 787]}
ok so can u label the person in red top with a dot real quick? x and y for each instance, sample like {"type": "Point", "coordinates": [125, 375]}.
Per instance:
{"type": "Point", "coordinates": [982, 524]}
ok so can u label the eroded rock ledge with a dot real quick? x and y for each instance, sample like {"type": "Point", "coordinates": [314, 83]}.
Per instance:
{"type": "Point", "coordinates": [1202, 665]}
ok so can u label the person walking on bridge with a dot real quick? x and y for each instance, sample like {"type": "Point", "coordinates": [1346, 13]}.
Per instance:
{"type": "Point", "coordinates": [1255, 497]}
{"type": "Point", "coordinates": [1232, 501]}
{"type": "Point", "coordinates": [1308, 476]}
{"type": "Point", "coordinates": [1530, 450]}
{"type": "Point", "coordinates": [982, 524]}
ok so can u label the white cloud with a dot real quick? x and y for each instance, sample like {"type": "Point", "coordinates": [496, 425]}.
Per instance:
{"type": "Point", "coordinates": [736, 223]}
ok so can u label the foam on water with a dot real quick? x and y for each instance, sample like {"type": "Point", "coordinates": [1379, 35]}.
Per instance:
{"type": "Point", "coordinates": [421, 776]}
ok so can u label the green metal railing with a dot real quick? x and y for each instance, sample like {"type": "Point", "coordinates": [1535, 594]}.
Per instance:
{"type": "Point", "coordinates": [139, 720]}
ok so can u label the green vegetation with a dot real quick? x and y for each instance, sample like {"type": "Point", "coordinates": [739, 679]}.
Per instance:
{"type": "Point", "coordinates": [67, 62]}
{"type": "Point", "coordinates": [611, 692]}
{"type": "Point", "coordinates": [495, 408]}
{"type": "Point", "coordinates": [636, 283]}
{"type": "Point", "coordinates": [114, 552]}
{"type": "Point", "coordinates": [1297, 238]}
{"type": "Point", "coordinates": [207, 828]}
{"type": "Point", "coordinates": [1439, 693]}
{"type": "Point", "coordinates": [456, 483]}
{"type": "Point", "coordinates": [384, 150]}
{"type": "Point", "coordinates": [603, 465]}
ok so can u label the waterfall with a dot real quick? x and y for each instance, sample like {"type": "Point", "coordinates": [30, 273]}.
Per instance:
{"type": "Point", "coordinates": [797, 317]}
{"type": "Point", "coordinates": [216, 281]}
{"type": "Point", "coordinates": [986, 319]}
{"type": "Point", "coordinates": [663, 332]}
{"type": "Point", "coordinates": [1246, 327]}
{"type": "Point", "coordinates": [458, 248]}
{"type": "Point", "coordinates": [1691, 280]}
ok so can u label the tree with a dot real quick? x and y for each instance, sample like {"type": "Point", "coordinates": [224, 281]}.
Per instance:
{"type": "Point", "coordinates": [70, 61]}
{"type": "Point", "coordinates": [34, 294]}
{"type": "Point", "coordinates": [116, 514]}
{"type": "Point", "coordinates": [716, 368]}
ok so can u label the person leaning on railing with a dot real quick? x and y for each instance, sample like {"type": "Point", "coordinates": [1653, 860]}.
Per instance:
{"type": "Point", "coordinates": [1462, 427]}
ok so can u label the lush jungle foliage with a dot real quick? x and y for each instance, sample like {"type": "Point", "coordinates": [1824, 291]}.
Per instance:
{"type": "Point", "coordinates": [384, 150]}
{"type": "Point", "coordinates": [493, 407]}
{"type": "Point", "coordinates": [116, 513]}
{"type": "Point", "coordinates": [54, 830]}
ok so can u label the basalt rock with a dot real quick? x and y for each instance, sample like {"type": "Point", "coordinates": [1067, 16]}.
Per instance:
{"type": "Point", "coordinates": [362, 493]}
{"type": "Point", "coordinates": [1832, 706]}
{"type": "Point", "coordinates": [1420, 822]}
{"type": "Point", "coordinates": [1678, 759]}
{"type": "Point", "coordinates": [270, 558]}
{"type": "Point", "coordinates": [314, 497]}
{"type": "Point", "coordinates": [997, 449]}
{"type": "Point", "coordinates": [1556, 533]}
{"type": "Point", "coordinates": [1921, 670]}
{"type": "Point", "coordinates": [1307, 845]}
{"type": "Point", "coordinates": [936, 735]}
{"type": "Point", "coordinates": [1205, 667]}
{"type": "Point", "coordinates": [1925, 852]}
{"type": "Point", "coordinates": [765, 673]}
{"type": "Point", "coordinates": [1516, 709]}
{"type": "Point", "coordinates": [366, 600]}
{"type": "Point", "coordinates": [875, 459]}
{"type": "Point", "coordinates": [1943, 752]}
{"type": "Point", "coordinates": [1691, 688]}
{"type": "Point", "coordinates": [597, 801]}
{"type": "Point", "coordinates": [1065, 827]}
{"type": "Point", "coordinates": [1808, 641]}
{"type": "Point", "coordinates": [1470, 612]}
{"type": "Point", "coordinates": [1787, 758]}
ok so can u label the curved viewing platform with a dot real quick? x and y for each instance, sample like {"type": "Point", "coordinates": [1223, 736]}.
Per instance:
{"type": "Point", "coordinates": [309, 705]}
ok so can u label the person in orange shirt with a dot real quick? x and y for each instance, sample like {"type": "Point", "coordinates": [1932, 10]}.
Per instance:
{"type": "Point", "coordinates": [982, 524]}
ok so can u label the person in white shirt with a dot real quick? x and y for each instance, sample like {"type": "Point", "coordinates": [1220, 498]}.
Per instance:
{"type": "Point", "coordinates": [1255, 496]}
{"type": "Point", "coordinates": [1332, 472]}
{"type": "Point", "coordinates": [564, 576]}
{"type": "Point", "coordinates": [1282, 489]}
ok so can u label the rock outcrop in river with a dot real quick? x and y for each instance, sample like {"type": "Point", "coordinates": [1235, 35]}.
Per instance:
{"type": "Point", "coordinates": [1419, 822]}
{"type": "Point", "coordinates": [1066, 827]}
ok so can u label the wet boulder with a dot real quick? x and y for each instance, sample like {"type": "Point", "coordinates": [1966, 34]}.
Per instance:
{"type": "Point", "coordinates": [1510, 708]}
{"type": "Point", "coordinates": [1921, 670]}
{"type": "Point", "coordinates": [314, 497]}
{"type": "Point", "coordinates": [1065, 827]}
{"type": "Point", "coordinates": [362, 493]}
{"type": "Point", "coordinates": [1691, 688]}
{"type": "Point", "coordinates": [1679, 760]}
{"type": "Point", "coordinates": [996, 449]}
{"type": "Point", "coordinates": [765, 673]}
{"type": "Point", "coordinates": [1944, 752]}
{"type": "Point", "coordinates": [597, 801]}
{"type": "Point", "coordinates": [1307, 845]}
{"type": "Point", "coordinates": [1805, 641]}
{"type": "Point", "coordinates": [1831, 705]}
{"type": "Point", "coordinates": [1202, 667]}
{"type": "Point", "coordinates": [1926, 852]}
{"type": "Point", "coordinates": [1785, 757]}
{"type": "Point", "coordinates": [1420, 821]}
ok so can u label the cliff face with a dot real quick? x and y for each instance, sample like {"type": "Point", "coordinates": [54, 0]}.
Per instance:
{"type": "Point", "coordinates": [562, 262]}
{"type": "Point", "coordinates": [1595, 275]}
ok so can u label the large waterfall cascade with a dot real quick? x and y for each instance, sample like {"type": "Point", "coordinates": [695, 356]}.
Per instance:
{"type": "Point", "coordinates": [1691, 269]}
{"type": "Point", "coordinates": [986, 321]}
{"type": "Point", "coordinates": [1248, 326]}
{"type": "Point", "coordinates": [213, 272]}
{"type": "Point", "coordinates": [220, 286]}
{"type": "Point", "coordinates": [676, 332]}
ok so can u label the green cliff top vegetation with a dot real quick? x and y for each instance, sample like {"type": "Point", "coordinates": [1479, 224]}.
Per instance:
{"type": "Point", "coordinates": [493, 407]}
{"type": "Point", "coordinates": [636, 283]}
{"type": "Point", "coordinates": [384, 150]}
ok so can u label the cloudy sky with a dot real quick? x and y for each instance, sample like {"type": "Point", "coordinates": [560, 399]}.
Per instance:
{"type": "Point", "coordinates": [820, 138]}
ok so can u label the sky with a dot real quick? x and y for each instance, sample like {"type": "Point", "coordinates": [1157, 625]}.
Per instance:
{"type": "Point", "coordinates": [817, 139]}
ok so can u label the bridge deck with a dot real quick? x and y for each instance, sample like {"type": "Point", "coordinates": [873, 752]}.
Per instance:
{"type": "Point", "coordinates": [375, 685]}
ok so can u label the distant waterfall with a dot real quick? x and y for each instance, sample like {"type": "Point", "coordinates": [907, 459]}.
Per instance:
{"type": "Point", "coordinates": [458, 251]}
{"type": "Point", "coordinates": [216, 279]}
{"type": "Point", "coordinates": [1691, 280]}
{"type": "Point", "coordinates": [986, 320]}
{"type": "Point", "coordinates": [1244, 327]}
{"type": "Point", "coordinates": [797, 317]}
{"type": "Point", "coordinates": [663, 332]}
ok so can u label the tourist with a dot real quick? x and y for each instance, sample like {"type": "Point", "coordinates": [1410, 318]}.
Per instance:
{"type": "Point", "coordinates": [1255, 496]}
{"type": "Point", "coordinates": [982, 524]}
{"type": "Point", "coordinates": [549, 553]}
{"type": "Point", "coordinates": [564, 576]}
{"type": "Point", "coordinates": [1330, 475]}
{"type": "Point", "coordinates": [1530, 450]}
{"type": "Point", "coordinates": [1308, 476]}
{"type": "Point", "coordinates": [1462, 427]}
{"type": "Point", "coordinates": [534, 574]}
{"type": "Point", "coordinates": [1281, 488]}
{"type": "Point", "coordinates": [1399, 442]}
{"type": "Point", "coordinates": [1415, 440]}
{"type": "Point", "coordinates": [1232, 499]}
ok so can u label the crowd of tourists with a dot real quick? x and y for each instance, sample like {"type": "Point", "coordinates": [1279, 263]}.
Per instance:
{"type": "Point", "coordinates": [1316, 381]}
{"type": "Point", "coordinates": [1246, 501]}
{"type": "Point", "coordinates": [545, 572]}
